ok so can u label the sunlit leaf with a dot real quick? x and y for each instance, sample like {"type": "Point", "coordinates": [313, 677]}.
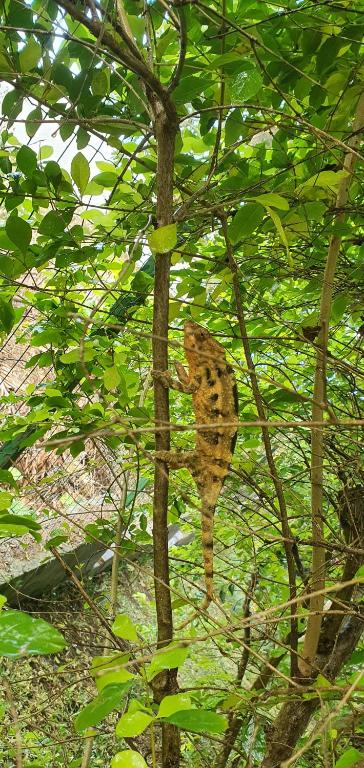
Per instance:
{"type": "Point", "coordinates": [176, 703]}
{"type": "Point", "coordinates": [273, 200]}
{"type": "Point", "coordinates": [128, 759]}
{"type": "Point", "coordinates": [124, 627]}
{"type": "Point", "coordinates": [133, 724]}
{"type": "Point", "coordinates": [350, 757]}
{"type": "Point", "coordinates": [112, 378]}
{"type": "Point", "coordinates": [170, 657]}
{"type": "Point", "coordinates": [164, 239]}
{"type": "Point", "coordinates": [246, 84]}
{"type": "Point", "coordinates": [23, 635]}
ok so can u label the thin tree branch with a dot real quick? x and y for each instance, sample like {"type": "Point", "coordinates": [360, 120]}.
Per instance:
{"type": "Point", "coordinates": [319, 396]}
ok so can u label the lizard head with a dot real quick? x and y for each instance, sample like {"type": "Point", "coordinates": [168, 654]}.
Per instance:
{"type": "Point", "coordinates": [198, 341]}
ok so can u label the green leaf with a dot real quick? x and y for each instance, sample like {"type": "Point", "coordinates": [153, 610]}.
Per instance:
{"type": "Point", "coordinates": [278, 224]}
{"type": "Point", "coordinates": [30, 55]}
{"type": "Point", "coordinates": [171, 704]}
{"type": "Point", "coordinates": [325, 179]}
{"type": "Point", "coordinates": [3, 600]}
{"type": "Point", "coordinates": [7, 315]}
{"type": "Point", "coordinates": [199, 721]}
{"type": "Point", "coordinates": [349, 757]}
{"type": "Point", "coordinates": [19, 232]}
{"type": "Point", "coordinates": [7, 478]}
{"type": "Point", "coordinates": [23, 635]}
{"type": "Point", "coordinates": [17, 525]}
{"type": "Point", "coordinates": [110, 698]}
{"type": "Point", "coordinates": [360, 573]}
{"type": "Point", "coordinates": [52, 224]}
{"type": "Point", "coordinates": [124, 627]}
{"type": "Point", "coordinates": [6, 500]}
{"type": "Point", "coordinates": [100, 84]}
{"type": "Point", "coordinates": [110, 670]}
{"type": "Point", "coordinates": [74, 355]}
{"type": "Point", "coordinates": [245, 221]}
{"type": "Point", "coordinates": [33, 121]}
{"type": "Point", "coordinates": [80, 171]}
{"type": "Point", "coordinates": [128, 759]}
{"type": "Point", "coordinates": [170, 657]}
{"type": "Point", "coordinates": [163, 239]}
{"type": "Point", "coordinates": [133, 724]}
{"type": "Point", "coordinates": [273, 200]}
{"type": "Point", "coordinates": [26, 160]}
{"type": "Point", "coordinates": [339, 307]}
{"type": "Point", "coordinates": [245, 85]}
{"type": "Point", "coordinates": [112, 378]}
{"type": "Point", "coordinates": [105, 179]}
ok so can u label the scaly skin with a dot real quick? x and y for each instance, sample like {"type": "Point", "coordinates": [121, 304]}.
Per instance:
{"type": "Point", "coordinates": [211, 382]}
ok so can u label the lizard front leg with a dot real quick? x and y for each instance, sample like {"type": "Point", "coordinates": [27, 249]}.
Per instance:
{"type": "Point", "coordinates": [182, 384]}
{"type": "Point", "coordinates": [177, 459]}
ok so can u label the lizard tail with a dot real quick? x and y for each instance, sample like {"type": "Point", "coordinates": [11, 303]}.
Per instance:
{"type": "Point", "coordinates": [207, 531]}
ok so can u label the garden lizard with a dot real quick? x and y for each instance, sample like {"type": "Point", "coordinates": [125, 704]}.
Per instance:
{"type": "Point", "coordinates": [211, 381]}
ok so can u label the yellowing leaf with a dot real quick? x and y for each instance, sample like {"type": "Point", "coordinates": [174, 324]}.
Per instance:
{"type": "Point", "coordinates": [112, 379]}
{"type": "Point", "coordinates": [162, 240]}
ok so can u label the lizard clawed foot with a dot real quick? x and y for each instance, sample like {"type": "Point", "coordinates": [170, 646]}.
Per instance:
{"type": "Point", "coordinates": [164, 377]}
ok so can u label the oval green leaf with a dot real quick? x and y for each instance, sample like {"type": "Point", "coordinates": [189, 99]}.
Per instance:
{"type": "Point", "coordinates": [349, 757]}
{"type": "Point", "coordinates": [246, 221]}
{"type": "Point", "coordinates": [124, 627]}
{"type": "Point", "coordinates": [171, 704]}
{"type": "Point", "coordinates": [199, 721]}
{"type": "Point", "coordinates": [133, 724]}
{"type": "Point", "coordinates": [246, 85]}
{"type": "Point", "coordinates": [30, 55]}
{"type": "Point", "coordinates": [128, 759]}
{"type": "Point", "coordinates": [23, 635]}
{"type": "Point", "coordinates": [7, 315]}
{"type": "Point", "coordinates": [80, 171]}
{"type": "Point", "coordinates": [101, 706]}
{"type": "Point", "coordinates": [19, 232]}
{"type": "Point", "coordinates": [26, 160]}
{"type": "Point", "coordinates": [276, 201]}
{"type": "Point", "coordinates": [170, 657]}
{"type": "Point", "coordinates": [52, 224]}
{"type": "Point", "coordinates": [163, 239]}
{"type": "Point", "coordinates": [112, 379]}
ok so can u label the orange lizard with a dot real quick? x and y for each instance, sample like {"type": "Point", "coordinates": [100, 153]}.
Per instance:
{"type": "Point", "coordinates": [211, 381]}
